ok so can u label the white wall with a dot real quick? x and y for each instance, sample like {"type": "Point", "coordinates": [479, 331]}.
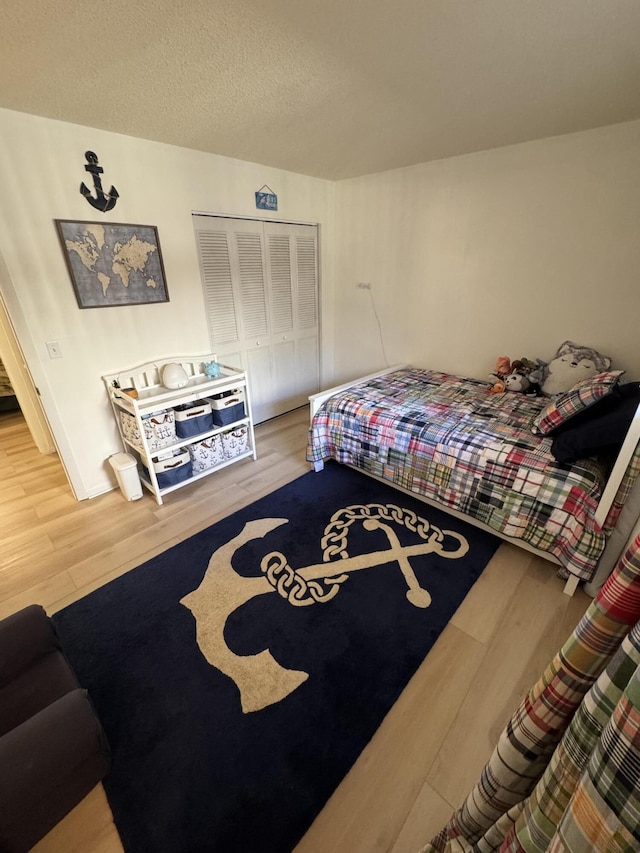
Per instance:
{"type": "Point", "coordinates": [505, 252]}
{"type": "Point", "coordinates": [41, 168]}
{"type": "Point", "coordinates": [508, 251]}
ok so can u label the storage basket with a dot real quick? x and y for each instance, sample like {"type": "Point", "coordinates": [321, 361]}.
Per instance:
{"type": "Point", "coordinates": [173, 469]}
{"type": "Point", "coordinates": [130, 428]}
{"type": "Point", "coordinates": [206, 454]}
{"type": "Point", "coordinates": [193, 418]}
{"type": "Point", "coordinates": [159, 428]}
{"type": "Point", "coordinates": [227, 408]}
{"type": "Point", "coordinates": [234, 441]}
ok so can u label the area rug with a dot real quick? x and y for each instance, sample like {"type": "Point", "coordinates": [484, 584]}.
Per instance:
{"type": "Point", "coordinates": [240, 674]}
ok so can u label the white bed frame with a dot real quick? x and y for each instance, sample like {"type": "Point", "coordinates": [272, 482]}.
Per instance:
{"type": "Point", "coordinates": [608, 495]}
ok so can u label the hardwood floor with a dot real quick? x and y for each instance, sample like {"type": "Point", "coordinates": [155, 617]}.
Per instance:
{"type": "Point", "coordinates": [430, 748]}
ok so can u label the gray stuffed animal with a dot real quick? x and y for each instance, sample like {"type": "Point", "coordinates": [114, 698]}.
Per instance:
{"type": "Point", "coordinates": [571, 364]}
{"type": "Point", "coordinates": [515, 381]}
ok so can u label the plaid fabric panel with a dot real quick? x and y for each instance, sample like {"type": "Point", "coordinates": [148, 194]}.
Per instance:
{"type": "Point", "coordinates": [583, 794]}
{"type": "Point", "coordinates": [579, 398]}
{"type": "Point", "coordinates": [624, 490]}
{"type": "Point", "coordinates": [450, 440]}
{"type": "Point", "coordinates": [587, 793]}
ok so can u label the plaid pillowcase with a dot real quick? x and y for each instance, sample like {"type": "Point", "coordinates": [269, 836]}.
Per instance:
{"type": "Point", "coordinates": [579, 398]}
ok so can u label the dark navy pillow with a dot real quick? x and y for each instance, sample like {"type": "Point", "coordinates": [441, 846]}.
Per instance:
{"type": "Point", "coordinates": [599, 430]}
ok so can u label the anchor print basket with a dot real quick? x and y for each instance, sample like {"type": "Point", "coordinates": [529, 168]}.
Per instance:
{"type": "Point", "coordinates": [206, 454]}
{"type": "Point", "coordinates": [159, 429]}
{"type": "Point", "coordinates": [234, 441]}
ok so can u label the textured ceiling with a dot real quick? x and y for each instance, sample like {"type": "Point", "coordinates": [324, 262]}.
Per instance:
{"type": "Point", "coordinates": [331, 88]}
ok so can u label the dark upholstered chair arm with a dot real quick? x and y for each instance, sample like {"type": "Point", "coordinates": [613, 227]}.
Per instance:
{"type": "Point", "coordinates": [25, 636]}
{"type": "Point", "coordinates": [49, 763]}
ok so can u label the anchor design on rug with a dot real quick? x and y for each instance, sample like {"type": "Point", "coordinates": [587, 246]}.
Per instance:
{"type": "Point", "coordinates": [260, 679]}
{"type": "Point", "coordinates": [102, 201]}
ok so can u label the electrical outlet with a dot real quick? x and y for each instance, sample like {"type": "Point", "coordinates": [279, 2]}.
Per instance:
{"type": "Point", "coordinates": [364, 285]}
{"type": "Point", "coordinates": [53, 348]}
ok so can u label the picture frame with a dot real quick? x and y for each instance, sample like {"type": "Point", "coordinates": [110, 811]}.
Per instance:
{"type": "Point", "coordinates": [113, 263]}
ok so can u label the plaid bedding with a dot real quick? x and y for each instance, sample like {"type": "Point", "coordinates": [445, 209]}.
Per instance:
{"type": "Point", "coordinates": [449, 439]}
{"type": "Point", "coordinates": [565, 775]}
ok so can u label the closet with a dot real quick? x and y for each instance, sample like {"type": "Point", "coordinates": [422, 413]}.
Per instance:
{"type": "Point", "coordinates": [260, 284]}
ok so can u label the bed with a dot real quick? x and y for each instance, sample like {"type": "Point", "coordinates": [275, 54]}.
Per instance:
{"type": "Point", "coordinates": [447, 440]}
{"type": "Point", "coordinates": [8, 399]}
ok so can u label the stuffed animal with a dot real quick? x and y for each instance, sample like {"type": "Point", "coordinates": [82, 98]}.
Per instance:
{"type": "Point", "coordinates": [516, 381]}
{"type": "Point", "coordinates": [503, 368]}
{"type": "Point", "coordinates": [571, 364]}
{"type": "Point", "coordinates": [533, 372]}
{"type": "Point", "coordinates": [511, 375]}
{"type": "Point", "coordinates": [523, 365]}
{"type": "Point", "coordinates": [538, 373]}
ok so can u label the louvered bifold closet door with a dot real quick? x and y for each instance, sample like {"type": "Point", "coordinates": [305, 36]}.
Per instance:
{"type": "Point", "coordinates": [232, 268]}
{"type": "Point", "coordinates": [248, 243]}
{"type": "Point", "coordinates": [293, 285]}
{"type": "Point", "coordinates": [217, 283]}
{"type": "Point", "coordinates": [307, 298]}
{"type": "Point", "coordinates": [260, 284]}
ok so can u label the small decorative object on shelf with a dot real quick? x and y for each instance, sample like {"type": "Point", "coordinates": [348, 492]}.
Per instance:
{"type": "Point", "coordinates": [182, 433]}
{"type": "Point", "coordinates": [174, 376]}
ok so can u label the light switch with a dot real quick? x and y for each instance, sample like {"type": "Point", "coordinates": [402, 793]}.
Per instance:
{"type": "Point", "coordinates": [54, 350]}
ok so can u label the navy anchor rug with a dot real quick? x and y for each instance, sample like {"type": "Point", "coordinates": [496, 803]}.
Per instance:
{"type": "Point", "coordinates": [240, 674]}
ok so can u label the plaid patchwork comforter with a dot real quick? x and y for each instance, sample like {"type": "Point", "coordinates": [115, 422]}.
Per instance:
{"type": "Point", "coordinates": [449, 439]}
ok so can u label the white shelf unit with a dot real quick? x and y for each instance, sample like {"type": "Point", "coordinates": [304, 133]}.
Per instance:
{"type": "Point", "coordinates": [153, 397]}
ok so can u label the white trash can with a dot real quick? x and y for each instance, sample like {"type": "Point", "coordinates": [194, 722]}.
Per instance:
{"type": "Point", "coordinates": [126, 468]}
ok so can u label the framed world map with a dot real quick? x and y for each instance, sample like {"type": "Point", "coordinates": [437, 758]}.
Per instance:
{"type": "Point", "coordinates": [113, 264]}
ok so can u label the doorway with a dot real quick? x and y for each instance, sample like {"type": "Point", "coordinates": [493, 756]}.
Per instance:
{"type": "Point", "coordinates": [22, 386]}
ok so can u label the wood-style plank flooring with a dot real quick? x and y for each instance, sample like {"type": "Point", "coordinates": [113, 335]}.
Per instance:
{"type": "Point", "coordinates": [430, 748]}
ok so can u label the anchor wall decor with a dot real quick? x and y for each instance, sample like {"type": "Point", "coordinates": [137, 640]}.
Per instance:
{"type": "Point", "coordinates": [261, 680]}
{"type": "Point", "coordinates": [101, 201]}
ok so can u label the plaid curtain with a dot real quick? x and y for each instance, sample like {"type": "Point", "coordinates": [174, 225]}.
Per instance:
{"type": "Point", "coordinates": [565, 775]}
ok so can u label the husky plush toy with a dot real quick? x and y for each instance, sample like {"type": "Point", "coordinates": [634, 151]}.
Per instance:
{"type": "Point", "coordinates": [571, 364]}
